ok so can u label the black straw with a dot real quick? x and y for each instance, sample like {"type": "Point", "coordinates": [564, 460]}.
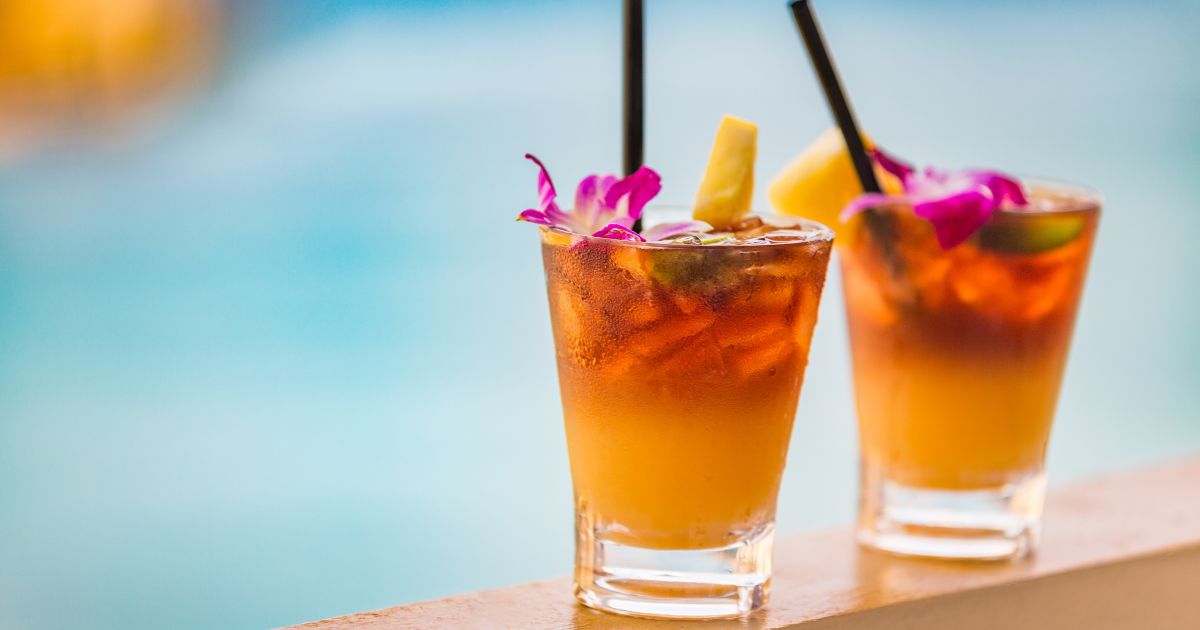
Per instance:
{"type": "Point", "coordinates": [633, 114]}
{"type": "Point", "coordinates": [881, 226]}
{"type": "Point", "coordinates": [806, 21]}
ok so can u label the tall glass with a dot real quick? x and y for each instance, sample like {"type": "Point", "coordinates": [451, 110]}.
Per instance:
{"type": "Point", "coordinates": [680, 367]}
{"type": "Point", "coordinates": [958, 355]}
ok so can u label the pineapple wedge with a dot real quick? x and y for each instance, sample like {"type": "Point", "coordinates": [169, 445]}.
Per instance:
{"type": "Point", "coordinates": [728, 183]}
{"type": "Point", "coordinates": [819, 182]}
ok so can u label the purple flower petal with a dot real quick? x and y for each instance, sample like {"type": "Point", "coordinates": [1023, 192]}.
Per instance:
{"type": "Point", "coordinates": [534, 216]}
{"type": "Point", "coordinates": [667, 230]}
{"type": "Point", "coordinates": [892, 164]}
{"type": "Point", "coordinates": [957, 203]}
{"type": "Point", "coordinates": [956, 217]}
{"type": "Point", "coordinates": [601, 201]}
{"type": "Point", "coordinates": [1002, 187]}
{"type": "Point", "coordinates": [631, 194]}
{"type": "Point", "coordinates": [546, 192]}
{"type": "Point", "coordinates": [590, 211]}
{"type": "Point", "coordinates": [618, 232]}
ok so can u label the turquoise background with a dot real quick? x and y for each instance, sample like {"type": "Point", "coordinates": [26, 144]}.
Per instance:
{"type": "Point", "coordinates": [282, 354]}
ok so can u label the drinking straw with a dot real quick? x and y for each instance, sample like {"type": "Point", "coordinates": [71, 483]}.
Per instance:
{"type": "Point", "coordinates": [881, 226]}
{"type": "Point", "coordinates": [633, 111]}
{"type": "Point", "coordinates": [831, 84]}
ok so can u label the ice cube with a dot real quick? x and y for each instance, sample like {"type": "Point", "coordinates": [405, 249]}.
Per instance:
{"type": "Point", "coordinates": [630, 259]}
{"type": "Point", "coordinates": [687, 303]}
{"type": "Point", "coordinates": [750, 329]}
{"type": "Point", "coordinates": [750, 228]}
{"type": "Point", "coordinates": [804, 317]}
{"type": "Point", "coordinates": [1051, 293]}
{"type": "Point", "coordinates": [764, 292]}
{"type": "Point", "coordinates": [687, 238]}
{"type": "Point", "coordinates": [749, 223]}
{"type": "Point", "coordinates": [698, 358]}
{"type": "Point", "coordinates": [766, 357]}
{"type": "Point", "coordinates": [788, 236]}
{"type": "Point", "coordinates": [665, 335]}
{"type": "Point", "coordinates": [867, 293]}
{"type": "Point", "coordinates": [577, 333]}
{"type": "Point", "coordinates": [638, 314]}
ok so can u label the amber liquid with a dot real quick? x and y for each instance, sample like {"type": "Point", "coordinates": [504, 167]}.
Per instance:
{"type": "Point", "coordinates": [680, 370]}
{"type": "Point", "coordinates": [958, 354]}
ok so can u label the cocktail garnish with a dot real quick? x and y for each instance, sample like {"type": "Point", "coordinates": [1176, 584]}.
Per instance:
{"type": "Point", "coordinates": [728, 184]}
{"type": "Point", "coordinates": [618, 232]}
{"type": "Point", "coordinates": [957, 203]}
{"type": "Point", "coordinates": [605, 206]}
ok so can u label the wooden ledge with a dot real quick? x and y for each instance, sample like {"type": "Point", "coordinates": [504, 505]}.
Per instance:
{"type": "Point", "coordinates": [1121, 551]}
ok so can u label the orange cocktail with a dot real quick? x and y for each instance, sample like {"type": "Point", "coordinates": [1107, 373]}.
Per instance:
{"type": "Point", "coordinates": [681, 344]}
{"type": "Point", "coordinates": [958, 356]}
{"type": "Point", "coordinates": [961, 291]}
{"type": "Point", "coordinates": [680, 366]}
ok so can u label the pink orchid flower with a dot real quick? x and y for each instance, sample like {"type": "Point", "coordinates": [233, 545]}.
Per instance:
{"type": "Point", "coordinates": [957, 203]}
{"type": "Point", "coordinates": [605, 206]}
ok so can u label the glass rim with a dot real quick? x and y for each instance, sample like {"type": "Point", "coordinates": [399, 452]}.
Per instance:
{"type": "Point", "coordinates": [1072, 198]}
{"type": "Point", "coordinates": [820, 233]}
{"type": "Point", "coordinates": [1086, 198]}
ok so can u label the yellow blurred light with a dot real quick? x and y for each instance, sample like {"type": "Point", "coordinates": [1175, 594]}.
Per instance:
{"type": "Point", "coordinates": [72, 64]}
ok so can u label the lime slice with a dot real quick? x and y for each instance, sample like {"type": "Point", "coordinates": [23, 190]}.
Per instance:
{"type": "Point", "coordinates": [675, 268]}
{"type": "Point", "coordinates": [712, 238]}
{"type": "Point", "coordinates": [1017, 233]}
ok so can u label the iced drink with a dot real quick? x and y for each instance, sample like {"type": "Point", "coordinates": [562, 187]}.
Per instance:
{"type": "Point", "coordinates": [961, 291]}
{"type": "Point", "coordinates": [680, 367]}
{"type": "Point", "coordinates": [958, 356]}
{"type": "Point", "coordinates": [681, 350]}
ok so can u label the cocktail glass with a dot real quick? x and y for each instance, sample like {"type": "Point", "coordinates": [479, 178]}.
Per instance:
{"type": "Point", "coordinates": [958, 356]}
{"type": "Point", "coordinates": [680, 367]}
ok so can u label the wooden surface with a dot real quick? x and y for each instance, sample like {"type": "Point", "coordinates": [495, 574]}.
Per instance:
{"type": "Point", "coordinates": [1121, 551]}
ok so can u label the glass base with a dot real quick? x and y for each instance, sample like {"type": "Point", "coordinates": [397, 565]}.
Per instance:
{"type": "Point", "coordinates": [675, 584]}
{"type": "Point", "coordinates": [1001, 523]}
